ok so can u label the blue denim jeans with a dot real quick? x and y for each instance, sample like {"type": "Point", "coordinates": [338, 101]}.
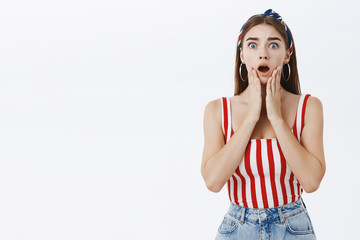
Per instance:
{"type": "Point", "coordinates": [290, 221]}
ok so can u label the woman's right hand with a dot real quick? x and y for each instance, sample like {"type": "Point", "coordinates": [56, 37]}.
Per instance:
{"type": "Point", "coordinates": [255, 99]}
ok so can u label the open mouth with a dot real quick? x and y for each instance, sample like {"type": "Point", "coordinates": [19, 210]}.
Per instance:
{"type": "Point", "coordinates": [263, 69]}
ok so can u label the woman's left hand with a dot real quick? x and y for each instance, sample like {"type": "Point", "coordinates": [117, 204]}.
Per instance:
{"type": "Point", "coordinates": [273, 96]}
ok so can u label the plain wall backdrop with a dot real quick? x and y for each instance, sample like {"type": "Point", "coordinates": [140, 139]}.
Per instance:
{"type": "Point", "coordinates": [101, 114]}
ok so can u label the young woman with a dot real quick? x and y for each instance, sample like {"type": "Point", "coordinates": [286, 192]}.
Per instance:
{"type": "Point", "coordinates": [265, 142]}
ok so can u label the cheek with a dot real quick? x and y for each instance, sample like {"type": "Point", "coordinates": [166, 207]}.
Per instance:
{"type": "Point", "coordinates": [250, 64]}
{"type": "Point", "coordinates": [249, 59]}
{"type": "Point", "coordinates": [279, 55]}
{"type": "Point", "coordinates": [278, 59]}
{"type": "Point", "coordinates": [247, 55]}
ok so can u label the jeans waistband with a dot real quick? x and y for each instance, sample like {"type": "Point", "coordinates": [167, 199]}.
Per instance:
{"type": "Point", "coordinates": [266, 214]}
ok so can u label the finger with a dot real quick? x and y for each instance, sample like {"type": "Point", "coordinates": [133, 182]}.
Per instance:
{"type": "Point", "coordinates": [256, 75]}
{"type": "Point", "coordinates": [268, 86]}
{"type": "Point", "coordinates": [258, 85]}
{"type": "Point", "coordinates": [273, 82]}
{"type": "Point", "coordinates": [278, 84]}
{"type": "Point", "coordinates": [250, 76]}
{"type": "Point", "coordinates": [256, 80]}
{"type": "Point", "coordinates": [279, 71]}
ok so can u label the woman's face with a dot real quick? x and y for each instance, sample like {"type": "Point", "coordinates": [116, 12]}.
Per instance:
{"type": "Point", "coordinates": [263, 49]}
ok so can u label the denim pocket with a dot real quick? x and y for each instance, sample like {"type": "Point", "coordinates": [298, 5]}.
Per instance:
{"type": "Point", "coordinates": [228, 224]}
{"type": "Point", "coordinates": [299, 224]}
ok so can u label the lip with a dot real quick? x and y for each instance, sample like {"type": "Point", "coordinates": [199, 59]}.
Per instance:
{"type": "Point", "coordinates": [263, 74]}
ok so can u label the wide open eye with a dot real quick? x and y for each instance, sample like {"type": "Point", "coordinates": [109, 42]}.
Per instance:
{"type": "Point", "coordinates": [252, 45]}
{"type": "Point", "coordinates": [273, 45]}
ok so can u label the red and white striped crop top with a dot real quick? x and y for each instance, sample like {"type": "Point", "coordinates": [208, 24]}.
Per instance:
{"type": "Point", "coordinates": [263, 179]}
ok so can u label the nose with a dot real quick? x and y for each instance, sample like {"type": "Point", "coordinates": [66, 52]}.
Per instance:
{"type": "Point", "coordinates": [263, 54]}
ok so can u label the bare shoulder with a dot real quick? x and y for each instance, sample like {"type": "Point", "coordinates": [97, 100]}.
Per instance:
{"type": "Point", "coordinates": [314, 109]}
{"type": "Point", "coordinates": [314, 102]}
{"type": "Point", "coordinates": [213, 110]}
{"type": "Point", "coordinates": [213, 134]}
{"type": "Point", "coordinates": [213, 104]}
{"type": "Point", "coordinates": [312, 133]}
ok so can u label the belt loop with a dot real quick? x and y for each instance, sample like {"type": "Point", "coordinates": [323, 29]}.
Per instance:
{"type": "Point", "coordinates": [282, 218]}
{"type": "Point", "coordinates": [242, 219]}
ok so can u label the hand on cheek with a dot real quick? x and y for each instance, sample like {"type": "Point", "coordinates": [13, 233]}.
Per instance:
{"type": "Point", "coordinates": [254, 95]}
{"type": "Point", "coordinates": [273, 95]}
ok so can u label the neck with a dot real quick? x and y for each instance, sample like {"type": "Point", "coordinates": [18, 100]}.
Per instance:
{"type": "Point", "coordinates": [263, 97]}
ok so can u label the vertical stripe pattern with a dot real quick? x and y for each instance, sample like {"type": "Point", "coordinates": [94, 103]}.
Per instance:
{"type": "Point", "coordinates": [263, 179]}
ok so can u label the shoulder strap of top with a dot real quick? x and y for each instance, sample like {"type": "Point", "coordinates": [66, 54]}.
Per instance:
{"type": "Point", "coordinates": [226, 118]}
{"type": "Point", "coordinates": [300, 116]}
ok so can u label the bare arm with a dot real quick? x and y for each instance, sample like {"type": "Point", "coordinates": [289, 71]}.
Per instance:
{"type": "Point", "coordinates": [306, 160]}
{"type": "Point", "coordinates": [220, 160]}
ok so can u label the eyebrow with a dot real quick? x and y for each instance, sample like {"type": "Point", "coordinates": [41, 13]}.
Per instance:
{"type": "Point", "coordinates": [257, 39]}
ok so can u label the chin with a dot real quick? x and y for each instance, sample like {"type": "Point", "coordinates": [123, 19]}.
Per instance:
{"type": "Point", "coordinates": [263, 80]}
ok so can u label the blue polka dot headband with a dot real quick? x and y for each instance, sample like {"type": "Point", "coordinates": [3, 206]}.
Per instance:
{"type": "Point", "coordinates": [273, 14]}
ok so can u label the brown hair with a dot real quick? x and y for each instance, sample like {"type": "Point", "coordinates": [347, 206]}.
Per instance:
{"type": "Point", "coordinates": [293, 84]}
